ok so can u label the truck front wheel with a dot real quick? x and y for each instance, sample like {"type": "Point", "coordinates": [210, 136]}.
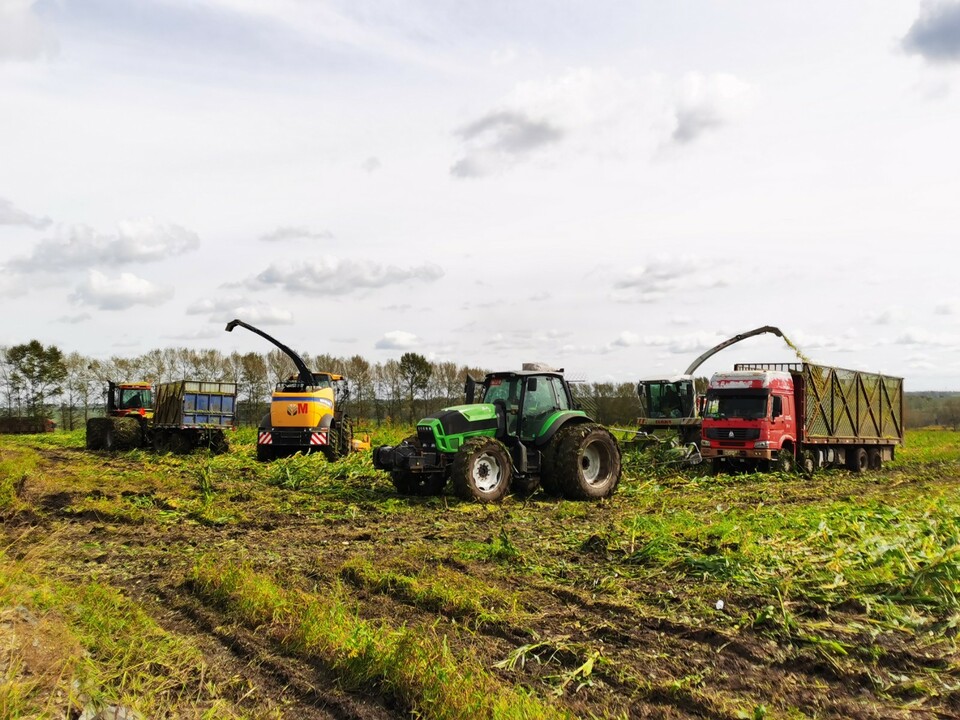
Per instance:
{"type": "Point", "coordinates": [784, 462]}
{"type": "Point", "coordinates": [587, 462]}
{"type": "Point", "coordinates": [481, 470]}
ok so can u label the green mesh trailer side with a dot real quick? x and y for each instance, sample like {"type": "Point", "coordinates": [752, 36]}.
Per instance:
{"type": "Point", "coordinates": [849, 405]}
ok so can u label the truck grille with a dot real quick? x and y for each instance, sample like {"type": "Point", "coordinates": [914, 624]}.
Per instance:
{"type": "Point", "coordinates": [733, 433]}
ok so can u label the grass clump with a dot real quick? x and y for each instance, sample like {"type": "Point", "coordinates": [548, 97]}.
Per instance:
{"type": "Point", "coordinates": [417, 669]}
{"type": "Point", "coordinates": [440, 589]}
{"type": "Point", "coordinates": [86, 647]}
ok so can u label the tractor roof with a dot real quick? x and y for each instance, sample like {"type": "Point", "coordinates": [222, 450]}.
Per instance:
{"type": "Point", "coordinates": [525, 373]}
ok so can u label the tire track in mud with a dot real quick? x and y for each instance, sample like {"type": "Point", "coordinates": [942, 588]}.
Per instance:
{"type": "Point", "coordinates": [304, 689]}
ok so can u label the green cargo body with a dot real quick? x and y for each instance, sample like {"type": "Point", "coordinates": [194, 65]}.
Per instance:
{"type": "Point", "coordinates": [844, 406]}
{"type": "Point", "coordinates": [195, 404]}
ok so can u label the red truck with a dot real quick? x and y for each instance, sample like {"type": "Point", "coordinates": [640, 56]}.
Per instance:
{"type": "Point", "coordinates": [766, 416]}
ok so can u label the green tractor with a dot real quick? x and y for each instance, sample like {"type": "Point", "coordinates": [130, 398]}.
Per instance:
{"type": "Point", "coordinates": [523, 433]}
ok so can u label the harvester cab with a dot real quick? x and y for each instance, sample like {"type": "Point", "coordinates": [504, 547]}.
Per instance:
{"type": "Point", "coordinates": [306, 411]}
{"type": "Point", "coordinates": [517, 431]}
{"type": "Point", "coordinates": [673, 403]}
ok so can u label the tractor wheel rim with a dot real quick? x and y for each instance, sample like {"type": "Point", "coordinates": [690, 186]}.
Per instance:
{"type": "Point", "coordinates": [591, 463]}
{"type": "Point", "coordinates": [487, 472]}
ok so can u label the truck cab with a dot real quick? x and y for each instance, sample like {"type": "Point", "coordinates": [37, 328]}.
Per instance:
{"type": "Point", "coordinates": [750, 420]}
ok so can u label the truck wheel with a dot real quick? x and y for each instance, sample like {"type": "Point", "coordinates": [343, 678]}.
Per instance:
{"type": "Point", "coordinates": [716, 466]}
{"type": "Point", "coordinates": [857, 460]}
{"type": "Point", "coordinates": [807, 463]}
{"type": "Point", "coordinates": [784, 462]}
{"type": "Point", "coordinates": [481, 470]}
{"type": "Point", "coordinates": [874, 459]}
{"type": "Point", "coordinates": [587, 462]}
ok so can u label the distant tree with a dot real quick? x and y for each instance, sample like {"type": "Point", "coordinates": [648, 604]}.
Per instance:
{"type": "Point", "coordinates": [39, 371]}
{"type": "Point", "coordinates": [415, 370]}
{"type": "Point", "coordinates": [360, 377]}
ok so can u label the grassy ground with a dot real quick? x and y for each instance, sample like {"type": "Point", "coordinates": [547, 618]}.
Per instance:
{"type": "Point", "coordinates": [216, 586]}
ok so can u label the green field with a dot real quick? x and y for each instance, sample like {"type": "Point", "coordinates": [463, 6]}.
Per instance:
{"type": "Point", "coordinates": [216, 587]}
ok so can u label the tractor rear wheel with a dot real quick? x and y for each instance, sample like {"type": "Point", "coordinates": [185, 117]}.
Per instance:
{"type": "Point", "coordinates": [587, 462]}
{"type": "Point", "coordinates": [481, 470]}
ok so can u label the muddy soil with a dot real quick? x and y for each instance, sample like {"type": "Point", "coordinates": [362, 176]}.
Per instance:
{"type": "Point", "coordinates": [657, 655]}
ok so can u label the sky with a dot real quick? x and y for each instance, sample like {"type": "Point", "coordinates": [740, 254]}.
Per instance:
{"type": "Point", "coordinates": [607, 187]}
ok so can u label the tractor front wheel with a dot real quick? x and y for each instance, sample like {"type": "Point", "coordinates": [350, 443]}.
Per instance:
{"type": "Point", "coordinates": [481, 470]}
{"type": "Point", "coordinates": [587, 462]}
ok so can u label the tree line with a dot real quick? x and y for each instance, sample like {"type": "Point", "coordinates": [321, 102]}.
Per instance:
{"type": "Point", "coordinates": [43, 381]}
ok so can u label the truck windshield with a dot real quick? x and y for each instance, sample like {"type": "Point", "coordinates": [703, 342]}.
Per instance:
{"type": "Point", "coordinates": [751, 407]}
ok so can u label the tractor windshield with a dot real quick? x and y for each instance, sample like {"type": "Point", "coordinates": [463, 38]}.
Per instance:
{"type": "Point", "coordinates": [135, 398]}
{"type": "Point", "coordinates": [750, 406]}
{"type": "Point", "coordinates": [506, 389]}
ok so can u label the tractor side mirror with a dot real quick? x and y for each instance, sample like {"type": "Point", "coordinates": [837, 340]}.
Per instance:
{"type": "Point", "coordinates": [469, 389]}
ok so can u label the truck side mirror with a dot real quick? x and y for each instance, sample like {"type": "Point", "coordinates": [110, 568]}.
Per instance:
{"type": "Point", "coordinates": [469, 389]}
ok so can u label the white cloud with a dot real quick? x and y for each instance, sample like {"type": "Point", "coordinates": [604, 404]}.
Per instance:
{"type": "Point", "coordinates": [296, 233]}
{"type": "Point", "coordinates": [234, 307]}
{"type": "Point", "coordinates": [74, 319]}
{"type": "Point", "coordinates": [500, 139]}
{"type": "Point", "coordinates": [136, 241]}
{"type": "Point", "coordinates": [371, 164]}
{"type": "Point", "coordinates": [935, 34]}
{"type": "Point", "coordinates": [626, 339]}
{"type": "Point", "coordinates": [686, 344]}
{"type": "Point", "coordinates": [23, 36]}
{"type": "Point", "coordinates": [12, 215]}
{"type": "Point", "coordinates": [920, 336]}
{"type": "Point", "coordinates": [947, 307]}
{"type": "Point", "coordinates": [398, 340]}
{"type": "Point", "coordinates": [120, 293]}
{"type": "Point", "coordinates": [664, 276]}
{"type": "Point", "coordinates": [332, 276]}
{"type": "Point", "coordinates": [707, 102]}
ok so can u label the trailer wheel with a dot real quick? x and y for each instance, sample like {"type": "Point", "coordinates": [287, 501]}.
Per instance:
{"type": "Point", "coordinates": [857, 460]}
{"type": "Point", "coordinates": [481, 470]}
{"type": "Point", "coordinates": [587, 462]}
{"type": "Point", "coordinates": [874, 459]}
{"type": "Point", "coordinates": [807, 463]}
{"type": "Point", "coordinates": [784, 462]}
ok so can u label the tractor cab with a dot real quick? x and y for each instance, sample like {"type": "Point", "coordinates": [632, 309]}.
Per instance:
{"type": "Point", "coordinates": [526, 399]}
{"type": "Point", "coordinates": [129, 399]}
